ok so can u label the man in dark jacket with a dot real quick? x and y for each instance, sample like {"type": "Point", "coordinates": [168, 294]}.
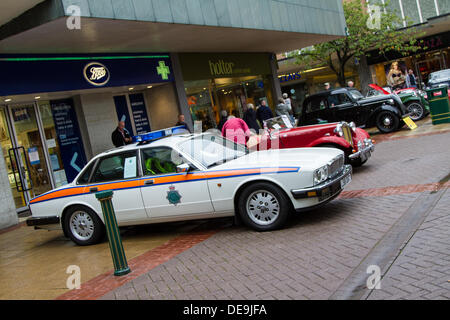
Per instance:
{"type": "Point", "coordinates": [223, 119]}
{"type": "Point", "coordinates": [250, 118]}
{"type": "Point", "coordinates": [121, 136]}
{"type": "Point", "coordinates": [263, 113]}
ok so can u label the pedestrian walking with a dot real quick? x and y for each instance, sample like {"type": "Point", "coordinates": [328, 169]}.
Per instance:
{"type": "Point", "coordinates": [121, 136]}
{"type": "Point", "coordinates": [350, 84]}
{"type": "Point", "coordinates": [411, 80]}
{"type": "Point", "coordinates": [282, 109]}
{"type": "Point", "coordinates": [250, 118]}
{"type": "Point", "coordinates": [263, 113]}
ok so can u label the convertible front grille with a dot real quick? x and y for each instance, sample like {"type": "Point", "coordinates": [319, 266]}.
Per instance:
{"type": "Point", "coordinates": [347, 134]}
{"type": "Point", "coordinates": [336, 166]}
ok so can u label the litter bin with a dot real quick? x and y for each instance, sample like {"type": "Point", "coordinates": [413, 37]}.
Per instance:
{"type": "Point", "coordinates": [439, 105]}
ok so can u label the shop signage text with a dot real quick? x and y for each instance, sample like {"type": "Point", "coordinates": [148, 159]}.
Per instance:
{"type": "Point", "coordinates": [69, 137]}
{"type": "Point", "coordinates": [290, 77]}
{"type": "Point", "coordinates": [221, 67]}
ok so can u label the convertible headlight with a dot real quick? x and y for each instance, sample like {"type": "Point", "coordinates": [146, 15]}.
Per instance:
{"type": "Point", "coordinates": [352, 125]}
{"type": "Point", "coordinates": [339, 130]}
{"type": "Point", "coordinates": [391, 101]}
{"type": "Point", "coordinates": [320, 175]}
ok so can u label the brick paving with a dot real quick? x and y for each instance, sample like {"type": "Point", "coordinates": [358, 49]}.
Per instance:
{"type": "Point", "coordinates": [313, 256]}
{"type": "Point", "coordinates": [422, 270]}
{"type": "Point", "coordinates": [307, 260]}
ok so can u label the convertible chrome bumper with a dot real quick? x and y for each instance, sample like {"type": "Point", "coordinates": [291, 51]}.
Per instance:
{"type": "Point", "coordinates": [365, 152]}
{"type": "Point", "coordinates": [328, 189]}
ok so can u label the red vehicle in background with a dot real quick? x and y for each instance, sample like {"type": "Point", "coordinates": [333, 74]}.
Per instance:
{"type": "Point", "coordinates": [280, 133]}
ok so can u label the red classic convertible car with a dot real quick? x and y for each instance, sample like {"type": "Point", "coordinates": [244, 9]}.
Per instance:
{"type": "Point", "coordinates": [280, 133]}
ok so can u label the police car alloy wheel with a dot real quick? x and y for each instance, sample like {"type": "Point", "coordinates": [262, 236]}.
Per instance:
{"type": "Point", "coordinates": [264, 207]}
{"type": "Point", "coordinates": [83, 226]}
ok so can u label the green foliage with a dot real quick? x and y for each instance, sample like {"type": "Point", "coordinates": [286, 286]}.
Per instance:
{"type": "Point", "coordinates": [361, 39]}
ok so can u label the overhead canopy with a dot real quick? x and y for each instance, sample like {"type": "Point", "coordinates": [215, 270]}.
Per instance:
{"type": "Point", "coordinates": [174, 26]}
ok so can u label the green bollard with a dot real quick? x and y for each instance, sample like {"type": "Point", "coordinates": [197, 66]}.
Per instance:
{"type": "Point", "coordinates": [112, 230]}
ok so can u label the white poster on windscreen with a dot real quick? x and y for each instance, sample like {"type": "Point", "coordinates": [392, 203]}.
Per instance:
{"type": "Point", "coordinates": [130, 168]}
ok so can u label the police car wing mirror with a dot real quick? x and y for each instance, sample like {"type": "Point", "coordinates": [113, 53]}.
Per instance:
{"type": "Point", "coordinates": [183, 168]}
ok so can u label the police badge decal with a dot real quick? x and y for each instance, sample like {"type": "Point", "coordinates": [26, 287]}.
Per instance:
{"type": "Point", "coordinates": [173, 196]}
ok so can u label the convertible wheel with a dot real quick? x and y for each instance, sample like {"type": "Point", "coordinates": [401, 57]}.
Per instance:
{"type": "Point", "coordinates": [387, 121]}
{"type": "Point", "coordinates": [83, 226]}
{"type": "Point", "coordinates": [416, 110]}
{"type": "Point", "coordinates": [264, 206]}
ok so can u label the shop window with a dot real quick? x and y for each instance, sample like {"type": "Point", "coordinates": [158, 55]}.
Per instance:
{"type": "Point", "coordinates": [207, 98]}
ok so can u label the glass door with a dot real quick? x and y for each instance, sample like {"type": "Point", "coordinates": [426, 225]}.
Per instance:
{"type": "Point", "coordinates": [30, 156]}
{"type": "Point", "coordinates": [12, 163]}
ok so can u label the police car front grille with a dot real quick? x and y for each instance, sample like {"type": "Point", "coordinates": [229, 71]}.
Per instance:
{"type": "Point", "coordinates": [336, 166]}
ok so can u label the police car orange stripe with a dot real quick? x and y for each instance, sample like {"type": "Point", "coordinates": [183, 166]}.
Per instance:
{"type": "Point", "coordinates": [160, 180]}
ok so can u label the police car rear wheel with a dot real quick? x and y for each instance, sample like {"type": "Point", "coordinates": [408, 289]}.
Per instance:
{"type": "Point", "coordinates": [264, 207]}
{"type": "Point", "coordinates": [83, 226]}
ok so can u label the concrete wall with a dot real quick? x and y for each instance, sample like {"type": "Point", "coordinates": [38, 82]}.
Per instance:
{"type": "Point", "coordinates": [100, 118]}
{"type": "Point", "coordinates": [8, 215]}
{"type": "Point", "coordinates": [162, 106]}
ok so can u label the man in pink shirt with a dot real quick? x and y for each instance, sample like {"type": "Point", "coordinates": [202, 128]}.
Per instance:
{"type": "Point", "coordinates": [236, 130]}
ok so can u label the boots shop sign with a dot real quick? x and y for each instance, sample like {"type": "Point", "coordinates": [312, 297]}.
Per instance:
{"type": "Point", "coordinates": [96, 74]}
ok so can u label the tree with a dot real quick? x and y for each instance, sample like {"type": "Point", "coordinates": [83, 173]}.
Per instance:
{"type": "Point", "coordinates": [366, 30]}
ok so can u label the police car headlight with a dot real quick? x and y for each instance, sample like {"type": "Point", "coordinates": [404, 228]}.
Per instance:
{"type": "Point", "coordinates": [352, 125]}
{"type": "Point", "coordinates": [320, 175]}
{"type": "Point", "coordinates": [339, 130]}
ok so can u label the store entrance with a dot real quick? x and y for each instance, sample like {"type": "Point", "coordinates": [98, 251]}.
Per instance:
{"type": "Point", "coordinates": [23, 152]}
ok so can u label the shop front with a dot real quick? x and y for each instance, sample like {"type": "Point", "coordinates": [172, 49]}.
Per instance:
{"type": "Point", "coordinates": [215, 82]}
{"type": "Point", "coordinates": [434, 56]}
{"type": "Point", "coordinates": [56, 112]}
{"type": "Point", "coordinates": [299, 84]}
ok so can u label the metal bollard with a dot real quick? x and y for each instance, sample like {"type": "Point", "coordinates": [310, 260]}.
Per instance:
{"type": "Point", "coordinates": [115, 242]}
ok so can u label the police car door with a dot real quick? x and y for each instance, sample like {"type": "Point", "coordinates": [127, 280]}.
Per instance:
{"type": "Point", "coordinates": [118, 172]}
{"type": "Point", "coordinates": [167, 193]}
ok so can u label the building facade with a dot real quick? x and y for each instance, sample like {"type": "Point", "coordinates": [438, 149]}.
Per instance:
{"type": "Point", "coordinates": [71, 69]}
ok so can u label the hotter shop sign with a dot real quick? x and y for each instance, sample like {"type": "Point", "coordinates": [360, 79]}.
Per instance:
{"type": "Point", "coordinates": [199, 66]}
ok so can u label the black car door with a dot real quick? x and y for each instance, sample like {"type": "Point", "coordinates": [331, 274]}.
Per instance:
{"type": "Point", "coordinates": [316, 110]}
{"type": "Point", "coordinates": [344, 109]}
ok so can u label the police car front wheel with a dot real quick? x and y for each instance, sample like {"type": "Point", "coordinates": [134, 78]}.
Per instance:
{"type": "Point", "coordinates": [264, 206]}
{"type": "Point", "coordinates": [83, 226]}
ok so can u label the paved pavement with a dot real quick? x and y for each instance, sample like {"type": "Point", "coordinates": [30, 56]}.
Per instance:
{"type": "Point", "coordinates": [318, 252]}
{"type": "Point", "coordinates": [322, 254]}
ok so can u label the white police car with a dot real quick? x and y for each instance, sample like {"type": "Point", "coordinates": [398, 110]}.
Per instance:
{"type": "Point", "coordinates": [192, 176]}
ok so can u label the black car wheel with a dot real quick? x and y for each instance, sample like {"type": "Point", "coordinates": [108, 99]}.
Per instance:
{"type": "Point", "coordinates": [416, 110]}
{"type": "Point", "coordinates": [387, 121]}
{"type": "Point", "coordinates": [83, 226]}
{"type": "Point", "coordinates": [264, 206]}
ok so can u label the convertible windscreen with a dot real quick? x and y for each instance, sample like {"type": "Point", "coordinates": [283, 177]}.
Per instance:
{"type": "Point", "coordinates": [211, 150]}
{"type": "Point", "coordinates": [356, 94]}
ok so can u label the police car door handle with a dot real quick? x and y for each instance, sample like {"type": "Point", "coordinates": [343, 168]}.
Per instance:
{"type": "Point", "coordinates": [95, 189]}
{"type": "Point", "coordinates": [149, 182]}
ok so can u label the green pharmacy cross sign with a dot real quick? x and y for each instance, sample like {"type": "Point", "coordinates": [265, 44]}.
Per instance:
{"type": "Point", "coordinates": [163, 70]}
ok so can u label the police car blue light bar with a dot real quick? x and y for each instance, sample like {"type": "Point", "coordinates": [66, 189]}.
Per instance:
{"type": "Point", "coordinates": [154, 135]}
